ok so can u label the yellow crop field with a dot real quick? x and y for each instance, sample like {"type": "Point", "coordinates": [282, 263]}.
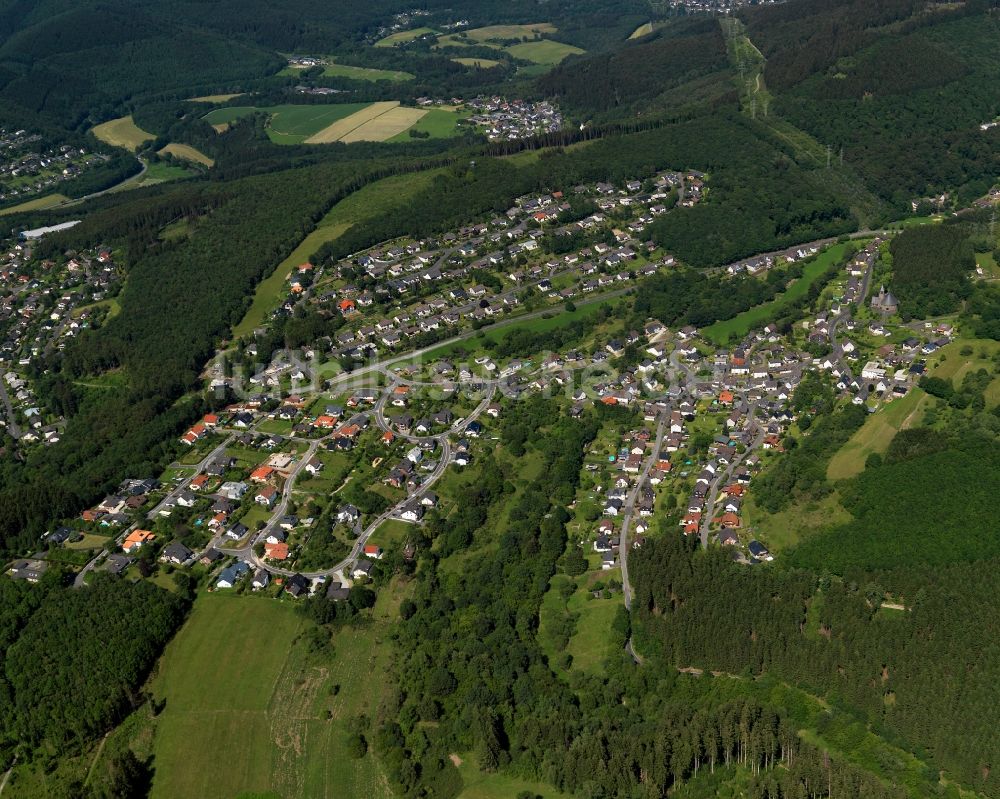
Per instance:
{"type": "Point", "coordinates": [188, 153]}
{"type": "Point", "coordinates": [215, 98]}
{"type": "Point", "coordinates": [36, 204]}
{"type": "Point", "coordinates": [122, 132]}
{"type": "Point", "coordinates": [339, 129]}
{"type": "Point", "coordinates": [385, 126]}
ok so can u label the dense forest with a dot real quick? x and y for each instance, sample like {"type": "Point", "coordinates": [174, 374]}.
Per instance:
{"type": "Point", "coordinates": [931, 266]}
{"type": "Point", "coordinates": [74, 660]}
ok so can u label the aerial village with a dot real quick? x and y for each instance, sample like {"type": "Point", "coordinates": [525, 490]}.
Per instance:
{"type": "Point", "coordinates": [320, 465]}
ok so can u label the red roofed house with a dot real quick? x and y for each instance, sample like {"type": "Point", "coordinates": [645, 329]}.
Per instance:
{"type": "Point", "coordinates": [346, 307]}
{"type": "Point", "coordinates": [276, 551]}
{"type": "Point", "coordinates": [373, 551]}
{"type": "Point", "coordinates": [210, 420]}
{"type": "Point", "coordinates": [261, 474]}
{"type": "Point", "coordinates": [325, 421]}
{"type": "Point", "coordinates": [267, 496]}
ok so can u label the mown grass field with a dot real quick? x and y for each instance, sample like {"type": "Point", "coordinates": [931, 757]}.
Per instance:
{"type": "Point", "coordinates": [643, 30]}
{"type": "Point", "coordinates": [403, 36]}
{"type": "Point", "coordinates": [122, 132]}
{"type": "Point", "coordinates": [37, 204]}
{"type": "Point", "coordinates": [479, 785]}
{"type": "Point", "coordinates": [188, 153]}
{"type": "Point", "coordinates": [334, 70]}
{"type": "Point", "coordinates": [876, 434]}
{"type": "Point", "coordinates": [539, 324]}
{"type": "Point", "coordinates": [438, 122]}
{"type": "Point", "coordinates": [543, 51]}
{"type": "Point", "coordinates": [741, 324]}
{"type": "Point", "coordinates": [227, 728]}
{"type": "Point", "coordinates": [369, 201]}
{"type": "Point", "coordinates": [288, 124]}
{"type": "Point", "coordinates": [215, 98]}
{"type": "Point", "coordinates": [482, 63]}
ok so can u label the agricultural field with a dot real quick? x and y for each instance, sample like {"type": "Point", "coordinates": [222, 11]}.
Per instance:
{"type": "Point", "coordinates": [335, 70]}
{"type": "Point", "coordinates": [402, 37]}
{"type": "Point", "coordinates": [287, 124]}
{"type": "Point", "coordinates": [378, 122]}
{"type": "Point", "coordinates": [280, 727]}
{"type": "Point", "coordinates": [438, 122]}
{"type": "Point", "coordinates": [188, 153]}
{"type": "Point", "coordinates": [480, 63]}
{"type": "Point", "coordinates": [544, 51]}
{"type": "Point", "coordinates": [37, 204]}
{"type": "Point", "coordinates": [876, 434]}
{"type": "Point", "coordinates": [741, 324]}
{"type": "Point", "coordinates": [215, 98]}
{"type": "Point", "coordinates": [159, 172]}
{"type": "Point", "coordinates": [643, 30]}
{"type": "Point", "coordinates": [490, 33]}
{"type": "Point", "coordinates": [122, 132]}
{"type": "Point", "coordinates": [362, 204]}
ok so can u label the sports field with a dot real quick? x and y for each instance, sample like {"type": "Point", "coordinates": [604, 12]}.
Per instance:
{"type": "Point", "coordinates": [188, 153]}
{"type": "Point", "coordinates": [279, 726]}
{"type": "Point", "coordinates": [122, 132]}
{"type": "Point", "coordinates": [543, 51]}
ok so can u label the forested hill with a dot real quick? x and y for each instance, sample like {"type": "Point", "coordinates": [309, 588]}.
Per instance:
{"type": "Point", "coordinates": [70, 64]}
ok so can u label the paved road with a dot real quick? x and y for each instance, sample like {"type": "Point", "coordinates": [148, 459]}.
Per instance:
{"type": "Point", "coordinates": [723, 476]}
{"type": "Point", "coordinates": [623, 543]}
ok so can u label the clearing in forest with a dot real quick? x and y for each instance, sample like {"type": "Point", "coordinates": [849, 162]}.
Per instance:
{"type": "Point", "coordinates": [122, 132]}
{"type": "Point", "coordinates": [188, 153]}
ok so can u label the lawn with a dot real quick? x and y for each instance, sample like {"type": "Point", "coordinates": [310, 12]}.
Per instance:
{"type": "Point", "coordinates": [402, 37]}
{"type": "Point", "coordinates": [37, 204]}
{"type": "Point", "coordinates": [122, 132]}
{"type": "Point", "coordinates": [188, 153]}
{"type": "Point", "coordinates": [266, 726]}
{"type": "Point", "coordinates": [543, 51]}
{"type": "Point", "coordinates": [876, 434]}
{"type": "Point", "coordinates": [479, 785]}
{"type": "Point", "coordinates": [741, 324]}
{"type": "Point", "coordinates": [369, 201]}
{"type": "Point", "coordinates": [391, 532]}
